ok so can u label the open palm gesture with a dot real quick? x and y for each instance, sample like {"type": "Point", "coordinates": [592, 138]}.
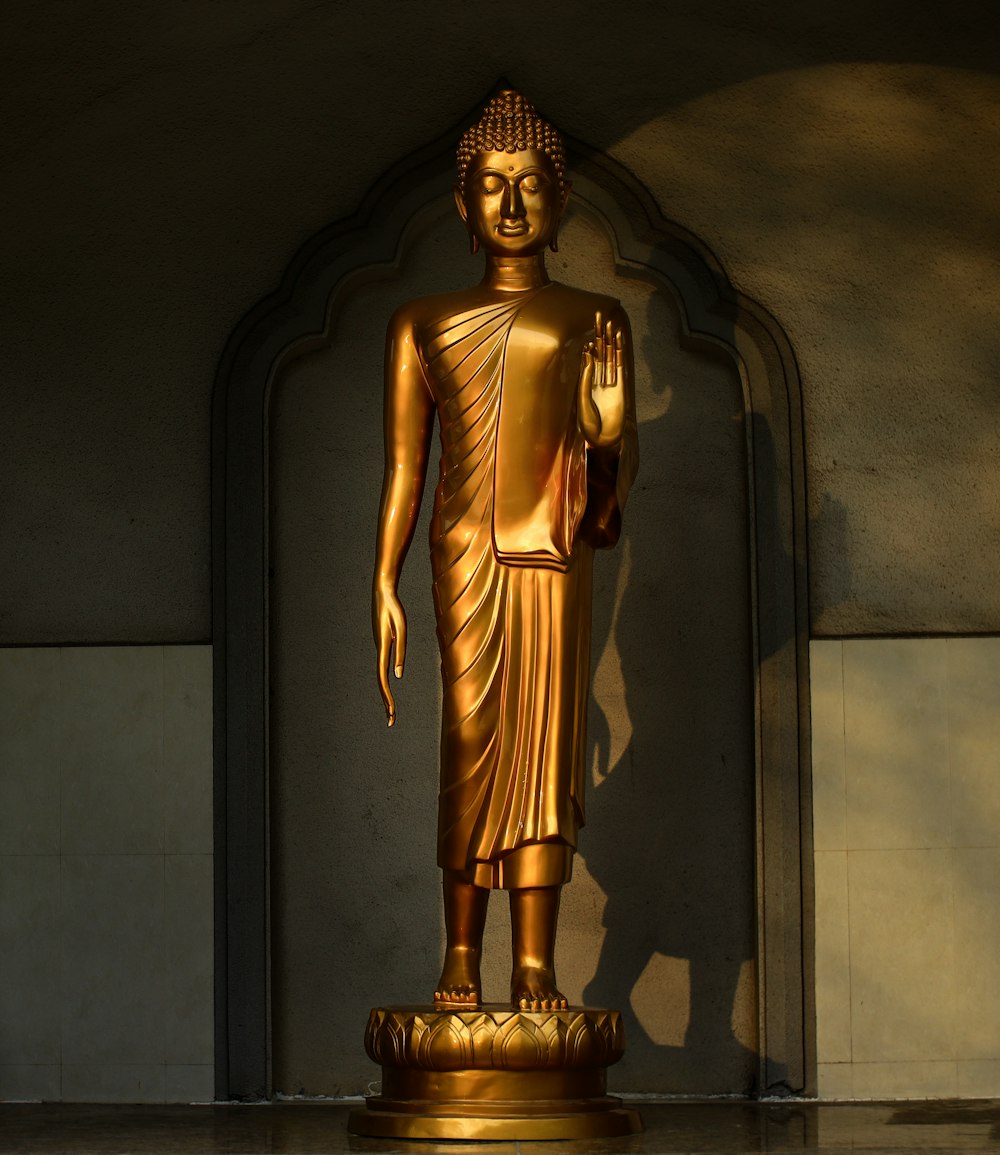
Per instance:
{"type": "Point", "coordinates": [604, 367]}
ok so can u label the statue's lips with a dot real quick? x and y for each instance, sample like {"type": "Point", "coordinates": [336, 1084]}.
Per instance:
{"type": "Point", "coordinates": [512, 230]}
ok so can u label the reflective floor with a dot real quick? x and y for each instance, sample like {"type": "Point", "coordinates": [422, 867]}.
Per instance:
{"type": "Point", "coordinates": [934, 1128]}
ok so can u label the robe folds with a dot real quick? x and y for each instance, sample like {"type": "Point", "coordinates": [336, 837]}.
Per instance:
{"type": "Point", "coordinates": [519, 506]}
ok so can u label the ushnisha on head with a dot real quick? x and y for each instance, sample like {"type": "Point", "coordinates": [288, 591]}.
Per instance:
{"type": "Point", "coordinates": [510, 124]}
{"type": "Point", "coordinates": [512, 185]}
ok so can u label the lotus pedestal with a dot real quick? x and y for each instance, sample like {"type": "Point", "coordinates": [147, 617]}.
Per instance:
{"type": "Point", "coordinates": [494, 1073]}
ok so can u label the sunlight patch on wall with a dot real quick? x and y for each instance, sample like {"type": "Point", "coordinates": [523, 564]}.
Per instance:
{"type": "Point", "coordinates": [661, 999]}
{"type": "Point", "coordinates": [609, 682]}
{"type": "Point", "coordinates": [743, 1026]}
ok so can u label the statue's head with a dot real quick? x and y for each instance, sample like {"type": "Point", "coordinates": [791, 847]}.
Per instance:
{"type": "Point", "coordinates": [512, 185]}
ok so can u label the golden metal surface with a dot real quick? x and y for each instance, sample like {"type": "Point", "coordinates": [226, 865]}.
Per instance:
{"type": "Point", "coordinates": [494, 1073]}
{"type": "Point", "coordinates": [438, 1122]}
{"type": "Point", "coordinates": [531, 384]}
{"type": "Point", "coordinates": [575, 1090]}
{"type": "Point", "coordinates": [494, 1038]}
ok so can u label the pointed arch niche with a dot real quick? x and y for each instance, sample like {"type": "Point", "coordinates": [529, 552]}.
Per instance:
{"type": "Point", "coordinates": [767, 676]}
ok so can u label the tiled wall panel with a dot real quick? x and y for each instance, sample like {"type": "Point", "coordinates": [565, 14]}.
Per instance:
{"type": "Point", "coordinates": [906, 768]}
{"type": "Point", "coordinates": [106, 874]}
{"type": "Point", "coordinates": [106, 868]}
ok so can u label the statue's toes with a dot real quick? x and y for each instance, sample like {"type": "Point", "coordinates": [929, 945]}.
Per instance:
{"type": "Point", "coordinates": [541, 1001]}
{"type": "Point", "coordinates": [463, 994]}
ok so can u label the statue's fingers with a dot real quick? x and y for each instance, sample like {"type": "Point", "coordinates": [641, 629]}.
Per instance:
{"type": "Point", "coordinates": [598, 339]}
{"type": "Point", "coordinates": [587, 366]}
{"type": "Point", "coordinates": [619, 358]}
{"type": "Point", "coordinates": [386, 635]}
{"type": "Point", "coordinates": [400, 633]}
{"type": "Point", "coordinates": [609, 354]}
{"type": "Point", "coordinates": [383, 684]}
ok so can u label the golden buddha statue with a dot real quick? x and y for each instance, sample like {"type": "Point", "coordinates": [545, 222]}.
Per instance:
{"type": "Point", "coordinates": [532, 385]}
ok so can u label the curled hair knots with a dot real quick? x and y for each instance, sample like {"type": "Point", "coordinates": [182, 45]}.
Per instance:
{"type": "Point", "coordinates": [510, 124]}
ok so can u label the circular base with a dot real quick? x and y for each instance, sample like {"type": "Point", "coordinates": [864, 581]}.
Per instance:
{"type": "Point", "coordinates": [493, 1072]}
{"type": "Point", "coordinates": [603, 1118]}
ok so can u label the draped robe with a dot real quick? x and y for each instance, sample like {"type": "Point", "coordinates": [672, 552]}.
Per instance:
{"type": "Point", "coordinates": [520, 503]}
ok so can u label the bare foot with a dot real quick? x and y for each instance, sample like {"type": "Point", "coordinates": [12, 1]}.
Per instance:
{"type": "Point", "coordinates": [534, 989]}
{"type": "Point", "coordinates": [459, 985]}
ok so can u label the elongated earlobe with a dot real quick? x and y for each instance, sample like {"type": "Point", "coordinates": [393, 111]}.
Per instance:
{"type": "Point", "coordinates": [473, 243]}
{"type": "Point", "coordinates": [554, 243]}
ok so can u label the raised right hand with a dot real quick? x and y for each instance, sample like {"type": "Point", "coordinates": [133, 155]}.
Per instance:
{"type": "Point", "coordinates": [601, 401]}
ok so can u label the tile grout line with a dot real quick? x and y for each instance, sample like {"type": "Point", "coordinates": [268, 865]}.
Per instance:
{"type": "Point", "coordinates": [946, 712]}
{"type": "Point", "coordinates": [843, 737]}
{"type": "Point", "coordinates": [949, 768]}
{"type": "Point", "coordinates": [60, 658]}
{"type": "Point", "coordinates": [162, 775]}
{"type": "Point", "coordinates": [163, 746]}
{"type": "Point", "coordinates": [847, 872]}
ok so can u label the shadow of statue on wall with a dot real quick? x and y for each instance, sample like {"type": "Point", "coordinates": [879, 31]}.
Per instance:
{"type": "Point", "coordinates": [672, 841]}
{"type": "Point", "coordinates": [672, 837]}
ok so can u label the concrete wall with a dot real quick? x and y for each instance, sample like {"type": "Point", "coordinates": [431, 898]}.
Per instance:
{"type": "Point", "coordinates": [906, 769]}
{"type": "Point", "coordinates": [162, 162]}
{"type": "Point", "coordinates": [106, 874]}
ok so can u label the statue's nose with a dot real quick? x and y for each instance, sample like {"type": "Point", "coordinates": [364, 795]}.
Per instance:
{"type": "Point", "coordinates": [513, 205]}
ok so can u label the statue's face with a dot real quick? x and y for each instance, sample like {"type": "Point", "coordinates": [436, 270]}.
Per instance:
{"type": "Point", "coordinates": [512, 201]}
